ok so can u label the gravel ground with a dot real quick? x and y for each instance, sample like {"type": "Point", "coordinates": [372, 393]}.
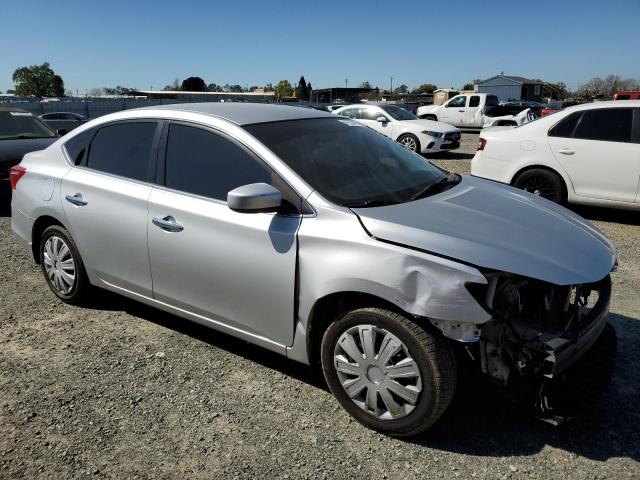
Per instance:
{"type": "Point", "coordinates": [123, 390]}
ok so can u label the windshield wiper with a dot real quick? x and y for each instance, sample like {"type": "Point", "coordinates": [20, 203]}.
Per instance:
{"type": "Point", "coordinates": [453, 179]}
{"type": "Point", "coordinates": [369, 203]}
{"type": "Point", "coordinates": [23, 137]}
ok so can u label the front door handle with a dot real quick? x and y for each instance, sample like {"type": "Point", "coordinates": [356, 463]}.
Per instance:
{"type": "Point", "coordinates": [167, 223]}
{"type": "Point", "coordinates": [566, 151]}
{"type": "Point", "coordinates": [461, 111]}
{"type": "Point", "coordinates": [76, 200]}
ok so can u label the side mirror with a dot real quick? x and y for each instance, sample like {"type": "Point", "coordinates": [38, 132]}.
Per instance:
{"type": "Point", "coordinates": [62, 132]}
{"type": "Point", "coordinates": [382, 119]}
{"type": "Point", "coordinates": [254, 198]}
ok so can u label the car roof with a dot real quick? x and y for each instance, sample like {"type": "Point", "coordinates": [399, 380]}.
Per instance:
{"type": "Point", "coordinates": [607, 104]}
{"type": "Point", "coordinates": [244, 113]}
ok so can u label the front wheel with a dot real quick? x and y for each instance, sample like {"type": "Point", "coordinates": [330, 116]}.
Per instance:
{"type": "Point", "coordinates": [410, 141]}
{"type": "Point", "coordinates": [388, 372]}
{"type": "Point", "coordinates": [543, 183]}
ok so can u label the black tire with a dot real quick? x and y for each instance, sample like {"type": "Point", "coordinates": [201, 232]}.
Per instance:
{"type": "Point", "coordinates": [543, 182]}
{"type": "Point", "coordinates": [79, 291]}
{"type": "Point", "coordinates": [412, 141]}
{"type": "Point", "coordinates": [432, 355]}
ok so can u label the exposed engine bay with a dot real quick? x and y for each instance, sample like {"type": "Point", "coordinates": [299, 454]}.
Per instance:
{"type": "Point", "coordinates": [537, 333]}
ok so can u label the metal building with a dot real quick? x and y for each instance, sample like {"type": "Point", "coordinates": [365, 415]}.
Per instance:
{"type": "Point", "coordinates": [509, 88]}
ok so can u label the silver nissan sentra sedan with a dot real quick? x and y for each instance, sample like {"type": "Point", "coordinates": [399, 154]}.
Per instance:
{"type": "Point", "coordinates": [315, 237]}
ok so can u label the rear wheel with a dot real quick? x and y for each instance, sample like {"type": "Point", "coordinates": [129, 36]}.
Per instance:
{"type": "Point", "coordinates": [410, 141]}
{"type": "Point", "coordinates": [542, 182]}
{"type": "Point", "coordinates": [62, 266]}
{"type": "Point", "coordinates": [388, 372]}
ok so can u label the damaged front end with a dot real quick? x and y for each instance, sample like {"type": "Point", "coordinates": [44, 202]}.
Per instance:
{"type": "Point", "coordinates": [542, 340]}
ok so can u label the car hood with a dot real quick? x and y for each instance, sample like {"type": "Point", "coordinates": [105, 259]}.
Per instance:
{"type": "Point", "coordinates": [430, 125]}
{"type": "Point", "coordinates": [13, 150]}
{"type": "Point", "coordinates": [491, 225]}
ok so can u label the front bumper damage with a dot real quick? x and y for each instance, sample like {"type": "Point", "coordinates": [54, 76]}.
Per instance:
{"type": "Point", "coordinates": [549, 345]}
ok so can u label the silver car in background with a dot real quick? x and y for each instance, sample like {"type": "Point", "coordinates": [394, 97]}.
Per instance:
{"type": "Point", "coordinates": [324, 241]}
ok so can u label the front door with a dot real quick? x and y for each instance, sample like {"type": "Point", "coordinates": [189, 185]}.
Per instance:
{"type": "Point", "coordinates": [235, 269]}
{"type": "Point", "coordinates": [453, 112]}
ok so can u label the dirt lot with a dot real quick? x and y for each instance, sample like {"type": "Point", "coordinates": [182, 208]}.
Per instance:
{"type": "Point", "coordinates": [122, 390]}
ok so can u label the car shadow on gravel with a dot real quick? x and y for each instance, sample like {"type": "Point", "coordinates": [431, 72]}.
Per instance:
{"type": "Point", "coordinates": [106, 300]}
{"type": "Point", "coordinates": [5, 201]}
{"type": "Point", "coordinates": [483, 422]}
{"type": "Point", "coordinates": [628, 217]}
{"type": "Point", "coordinates": [480, 421]}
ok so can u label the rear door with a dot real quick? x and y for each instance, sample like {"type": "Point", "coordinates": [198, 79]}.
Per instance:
{"type": "Point", "coordinates": [105, 200]}
{"type": "Point", "coordinates": [235, 269]}
{"type": "Point", "coordinates": [600, 151]}
{"type": "Point", "coordinates": [472, 117]}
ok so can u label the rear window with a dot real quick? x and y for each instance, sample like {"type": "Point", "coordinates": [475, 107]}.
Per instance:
{"type": "Point", "coordinates": [474, 101]}
{"type": "Point", "coordinates": [492, 101]}
{"type": "Point", "coordinates": [565, 127]}
{"type": "Point", "coordinates": [610, 124]}
{"type": "Point", "coordinates": [123, 149]}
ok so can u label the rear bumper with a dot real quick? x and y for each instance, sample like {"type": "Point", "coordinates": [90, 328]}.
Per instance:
{"type": "Point", "coordinates": [22, 226]}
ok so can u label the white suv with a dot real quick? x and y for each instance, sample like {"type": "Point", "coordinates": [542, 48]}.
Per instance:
{"type": "Point", "coordinates": [587, 154]}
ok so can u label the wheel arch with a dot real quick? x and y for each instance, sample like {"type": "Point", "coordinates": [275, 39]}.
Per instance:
{"type": "Point", "coordinates": [328, 308]}
{"type": "Point", "coordinates": [565, 182]}
{"type": "Point", "coordinates": [39, 226]}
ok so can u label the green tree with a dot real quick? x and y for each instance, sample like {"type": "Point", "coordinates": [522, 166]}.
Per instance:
{"type": "Point", "coordinates": [38, 81]}
{"type": "Point", "coordinates": [401, 90]}
{"type": "Point", "coordinates": [214, 87]}
{"type": "Point", "coordinates": [193, 84]}
{"type": "Point", "coordinates": [364, 85]}
{"type": "Point", "coordinates": [269, 87]}
{"type": "Point", "coordinates": [467, 86]}
{"type": "Point", "coordinates": [425, 88]}
{"type": "Point", "coordinates": [283, 89]}
{"type": "Point", "coordinates": [302, 90]}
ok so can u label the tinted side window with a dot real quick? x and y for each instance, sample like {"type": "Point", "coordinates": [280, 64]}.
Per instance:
{"type": "Point", "coordinates": [565, 127]}
{"type": "Point", "coordinates": [207, 164]}
{"type": "Point", "coordinates": [77, 147]}
{"type": "Point", "coordinates": [123, 149]}
{"type": "Point", "coordinates": [611, 124]}
{"type": "Point", "coordinates": [474, 101]}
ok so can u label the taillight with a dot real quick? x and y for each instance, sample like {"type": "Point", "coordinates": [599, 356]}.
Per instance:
{"type": "Point", "coordinates": [15, 174]}
{"type": "Point", "coordinates": [482, 142]}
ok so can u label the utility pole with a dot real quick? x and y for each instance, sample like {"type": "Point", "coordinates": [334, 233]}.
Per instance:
{"type": "Point", "coordinates": [391, 89]}
{"type": "Point", "coordinates": [345, 83]}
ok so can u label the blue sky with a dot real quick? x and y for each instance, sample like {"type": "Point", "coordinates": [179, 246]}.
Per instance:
{"type": "Point", "coordinates": [144, 43]}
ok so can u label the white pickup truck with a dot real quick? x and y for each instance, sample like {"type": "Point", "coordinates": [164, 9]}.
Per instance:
{"type": "Point", "coordinates": [476, 110]}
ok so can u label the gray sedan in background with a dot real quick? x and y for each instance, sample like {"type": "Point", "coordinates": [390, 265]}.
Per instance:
{"type": "Point", "coordinates": [63, 120]}
{"type": "Point", "coordinates": [323, 240]}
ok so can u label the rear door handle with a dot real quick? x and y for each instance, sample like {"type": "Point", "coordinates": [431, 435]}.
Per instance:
{"type": "Point", "coordinates": [76, 200]}
{"type": "Point", "coordinates": [461, 111]}
{"type": "Point", "coordinates": [566, 151]}
{"type": "Point", "coordinates": [167, 223]}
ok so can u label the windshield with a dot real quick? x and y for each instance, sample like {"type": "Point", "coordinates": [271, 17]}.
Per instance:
{"type": "Point", "coordinates": [348, 163]}
{"type": "Point", "coordinates": [22, 125]}
{"type": "Point", "coordinates": [399, 113]}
